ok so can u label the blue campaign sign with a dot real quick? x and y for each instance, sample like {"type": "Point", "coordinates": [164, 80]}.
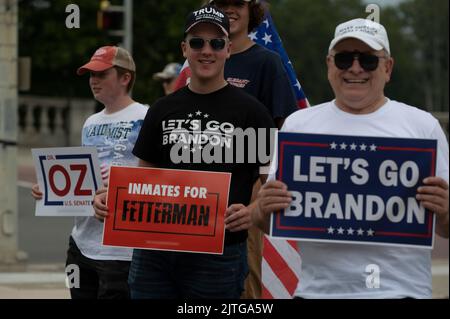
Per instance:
{"type": "Point", "coordinates": [355, 189]}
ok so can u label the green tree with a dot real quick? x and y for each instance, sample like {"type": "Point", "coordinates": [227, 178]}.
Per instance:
{"type": "Point", "coordinates": [56, 51]}
{"type": "Point", "coordinates": [418, 33]}
{"type": "Point", "coordinates": [158, 31]}
{"type": "Point", "coordinates": [429, 22]}
{"type": "Point", "coordinates": [306, 28]}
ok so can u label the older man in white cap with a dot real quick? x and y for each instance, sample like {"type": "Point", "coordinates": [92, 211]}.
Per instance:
{"type": "Point", "coordinates": [359, 66]}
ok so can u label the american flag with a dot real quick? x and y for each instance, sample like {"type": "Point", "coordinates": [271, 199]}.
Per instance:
{"type": "Point", "coordinates": [281, 262]}
{"type": "Point", "coordinates": [266, 35]}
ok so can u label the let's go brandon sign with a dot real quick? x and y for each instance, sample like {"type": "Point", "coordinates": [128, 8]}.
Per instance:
{"type": "Point", "coordinates": [354, 189]}
{"type": "Point", "coordinates": [166, 209]}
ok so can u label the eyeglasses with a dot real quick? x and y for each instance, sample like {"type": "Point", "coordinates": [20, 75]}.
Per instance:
{"type": "Point", "coordinates": [198, 43]}
{"type": "Point", "coordinates": [369, 62]}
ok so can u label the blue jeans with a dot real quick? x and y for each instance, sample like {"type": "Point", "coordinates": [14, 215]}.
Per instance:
{"type": "Point", "coordinates": [169, 275]}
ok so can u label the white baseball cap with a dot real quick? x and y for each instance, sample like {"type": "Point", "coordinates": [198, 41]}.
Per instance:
{"type": "Point", "coordinates": [371, 33]}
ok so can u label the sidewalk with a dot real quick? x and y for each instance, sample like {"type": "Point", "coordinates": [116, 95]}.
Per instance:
{"type": "Point", "coordinates": [48, 281]}
{"type": "Point", "coordinates": [33, 282]}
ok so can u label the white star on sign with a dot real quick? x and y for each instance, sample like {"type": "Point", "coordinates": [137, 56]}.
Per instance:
{"type": "Point", "coordinates": [266, 22]}
{"type": "Point", "coordinates": [340, 231]}
{"type": "Point", "coordinates": [363, 147]}
{"type": "Point", "coordinates": [343, 146]}
{"type": "Point", "coordinates": [370, 232]}
{"type": "Point", "coordinates": [205, 116]}
{"type": "Point", "coordinates": [353, 147]}
{"type": "Point", "coordinates": [267, 38]}
{"type": "Point", "coordinates": [373, 148]}
{"type": "Point", "coordinates": [331, 230]}
{"type": "Point", "coordinates": [298, 85]}
{"type": "Point", "coordinates": [333, 145]}
{"type": "Point", "coordinates": [360, 232]}
{"type": "Point", "coordinates": [198, 113]}
{"type": "Point", "coordinates": [253, 36]}
{"type": "Point", "coordinates": [190, 115]}
{"type": "Point", "coordinates": [193, 150]}
{"type": "Point", "coordinates": [350, 231]}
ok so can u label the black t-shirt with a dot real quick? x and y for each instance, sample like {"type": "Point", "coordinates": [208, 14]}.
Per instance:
{"type": "Point", "coordinates": [197, 121]}
{"type": "Point", "coordinates": [260, 72]}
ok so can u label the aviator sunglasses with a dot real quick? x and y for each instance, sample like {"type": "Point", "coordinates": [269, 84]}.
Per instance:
{"type": "Point", "coordinates": [369, 62]}
{"type": "Point", "coordinates": [198, 43]}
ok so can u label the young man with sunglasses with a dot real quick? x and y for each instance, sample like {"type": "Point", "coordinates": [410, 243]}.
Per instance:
{"type": "Point", "coordinates": [359, 66]}
{"type": "Point", "coordinates": [113, 131]}
{"type": "Point", "coordinates": [259, 72]}
{"type": "Point", "coordinates": [205, 107]}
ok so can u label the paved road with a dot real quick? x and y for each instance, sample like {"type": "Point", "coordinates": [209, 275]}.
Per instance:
{"type": "Point", "coordinates": [44, 239]}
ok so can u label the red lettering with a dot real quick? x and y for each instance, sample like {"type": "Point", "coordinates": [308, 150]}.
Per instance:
{"type": "Point", "coordinates": [66, 189]}
{"type": "Point", "coordinates": [78, 190]}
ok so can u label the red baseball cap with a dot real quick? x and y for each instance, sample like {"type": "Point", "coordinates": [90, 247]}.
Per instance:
{"type": "Point", "coordinates": [107, 57]}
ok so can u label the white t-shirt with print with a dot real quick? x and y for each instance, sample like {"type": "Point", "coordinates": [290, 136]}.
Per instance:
{"type": "Point", "coordinates": [332, 270]}
{"type": "Point", "coordinates": [114, 136]}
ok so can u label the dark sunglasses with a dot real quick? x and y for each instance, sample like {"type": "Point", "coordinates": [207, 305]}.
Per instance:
{"type": "Point", "coordinates": [198, 43]}
{"type": "Point", "coordinates": [369, 62]}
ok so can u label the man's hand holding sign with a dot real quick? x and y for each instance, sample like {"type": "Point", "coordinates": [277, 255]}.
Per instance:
{"type": "Point", "coordinates": [434, 197]}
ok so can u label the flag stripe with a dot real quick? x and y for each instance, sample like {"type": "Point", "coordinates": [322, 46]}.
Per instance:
{"type": "Point", "coordinates": [293, 244]}
{"type": "Point", "coordinates": [273, 283]}
{"type": "Point", "coordinates": [279, 265]}
{"type": "Point", "coordinates": [290, 255]}
{"type": "Point", "coordinates": [266, 293]}
{"type": "Point", "coordinates": [279, 252]}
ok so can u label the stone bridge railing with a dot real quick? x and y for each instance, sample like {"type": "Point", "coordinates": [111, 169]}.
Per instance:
{"type": "Point", "coordinates": [52, 122]}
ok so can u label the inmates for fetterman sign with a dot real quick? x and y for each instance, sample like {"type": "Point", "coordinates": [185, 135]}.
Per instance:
{"type": "Point", "coordinates": [166, 209]}
{"type": "Point", "coordinates": [353, 189]}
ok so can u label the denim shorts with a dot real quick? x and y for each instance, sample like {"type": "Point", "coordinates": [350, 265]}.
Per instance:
{"type": "Point", "coordinates": [170, 275]}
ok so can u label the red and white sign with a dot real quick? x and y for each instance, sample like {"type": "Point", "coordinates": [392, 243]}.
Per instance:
{"type": "Point", "coordinates": [68, 178]}
{"type": "Point", "coordinates": [166, 209]}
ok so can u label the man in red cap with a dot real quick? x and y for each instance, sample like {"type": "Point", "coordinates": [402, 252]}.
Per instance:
{"type": "Point", "coordinates": [113, 131]}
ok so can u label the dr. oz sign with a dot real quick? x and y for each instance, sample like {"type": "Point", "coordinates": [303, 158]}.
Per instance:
{"type": "Point", "coordinates": [355, 189]}
{"type": "Point", "coordinates": [68, 178]}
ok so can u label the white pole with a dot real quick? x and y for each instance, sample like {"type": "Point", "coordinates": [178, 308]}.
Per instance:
{"type": "Point", "coordinates": [128, 25]}
{"type": "Point", "coordinates": [8, 131]}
